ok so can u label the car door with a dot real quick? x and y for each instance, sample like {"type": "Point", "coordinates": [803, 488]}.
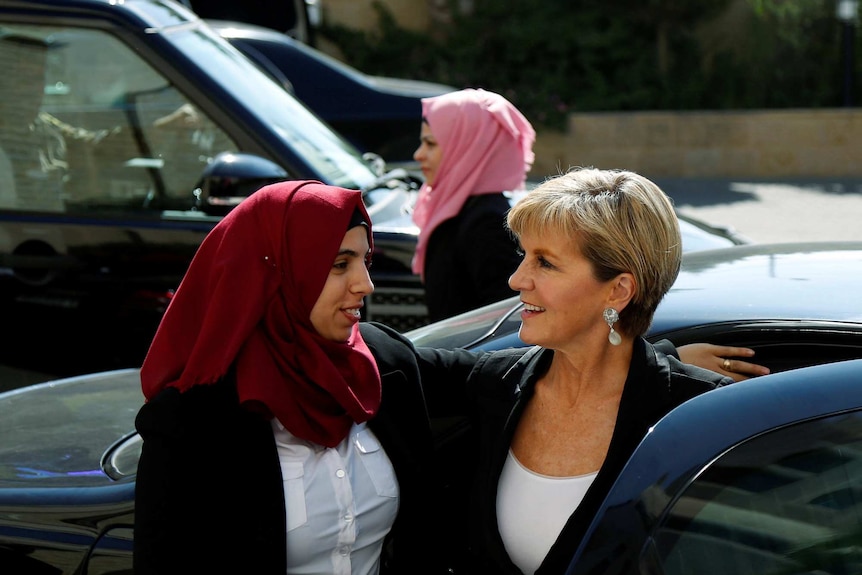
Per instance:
{"type": "Point", "coordinates": [760, 477]}
{"type": "Point", "coordinates": [100, 220]}
{"type": "Point", "coordinates": [787, 501]}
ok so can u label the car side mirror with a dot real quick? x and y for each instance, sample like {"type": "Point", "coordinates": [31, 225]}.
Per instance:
{"type": "Point", "coordinates": [230, 178]}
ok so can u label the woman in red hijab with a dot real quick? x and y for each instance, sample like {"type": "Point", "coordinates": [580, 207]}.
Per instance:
{"type": "Point", "coordinates": [474, 146]}
{"type": "Point", "coordinates": [267, 447]}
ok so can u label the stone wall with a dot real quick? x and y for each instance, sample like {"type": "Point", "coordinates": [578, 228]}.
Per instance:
{"type": "Point", "coordinates": [755, 144]}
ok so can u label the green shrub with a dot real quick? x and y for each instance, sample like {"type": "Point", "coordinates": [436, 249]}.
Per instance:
{"type": "Point", "coordinates": [553, 57]}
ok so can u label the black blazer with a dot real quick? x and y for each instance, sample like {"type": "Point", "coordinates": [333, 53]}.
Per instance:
{"type": "Point", "coordinates": [492, 390]}
{"type": "Point", "coordinates": [469, 258]}
{"type": "Point", "coordinates": [209, 489]}
{"type": "Point", "coordinates": [209, 493]}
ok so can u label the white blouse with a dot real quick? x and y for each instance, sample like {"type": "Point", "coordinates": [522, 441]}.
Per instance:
{"type": "Point", "coordinates": [340, 502]}
{"type": "Point", "coordinates": [532, 509]}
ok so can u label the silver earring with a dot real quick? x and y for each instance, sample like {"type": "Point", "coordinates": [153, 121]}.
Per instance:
{"type": "Point", "coordinates": [611, 316]}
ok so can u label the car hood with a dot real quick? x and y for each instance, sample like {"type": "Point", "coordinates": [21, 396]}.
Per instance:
{"type": "Point", "coordinates": [56, 434]}
{"type": "Point", "coordinates": [793, 281]}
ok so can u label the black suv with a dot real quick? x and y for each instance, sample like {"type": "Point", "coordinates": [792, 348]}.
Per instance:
{"type": "Point", "coordinates": [127, 129]}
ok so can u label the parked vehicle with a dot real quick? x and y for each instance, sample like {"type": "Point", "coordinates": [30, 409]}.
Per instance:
{"type": "Point", "coordinates": [149, 127]}
{"type": "Point", "coordinates": [130, 129]}
{"type": "Point", "coordinates": [758, 477]}
{"type": "Point", "coordinates": [377, 114]}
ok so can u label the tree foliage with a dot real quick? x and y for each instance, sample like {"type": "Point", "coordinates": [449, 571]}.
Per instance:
{"type": "Point", "coordinates": [552, 57]}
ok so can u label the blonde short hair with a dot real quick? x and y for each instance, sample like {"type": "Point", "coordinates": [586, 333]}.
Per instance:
{"type": "Point", "coordinates": [620, 221]}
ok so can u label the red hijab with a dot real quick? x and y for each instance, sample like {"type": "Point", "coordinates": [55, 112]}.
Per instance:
{"type": "Point", "coordinates": [246, 300]}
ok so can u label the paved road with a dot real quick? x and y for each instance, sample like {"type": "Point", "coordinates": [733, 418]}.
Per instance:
{"type": "Point", "coordinates": [774, 211]}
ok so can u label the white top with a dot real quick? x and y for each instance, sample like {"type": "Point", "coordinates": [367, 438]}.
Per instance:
{"type": "Point", "coordinates": [340, 502]}
{"type": "Point", "coordinates": [532, 509]}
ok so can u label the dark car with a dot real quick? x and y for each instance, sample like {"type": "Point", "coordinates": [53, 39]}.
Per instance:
{"type": "Point", "coordinates": [297, 18]}
{"type": "Point", "coordinates": [129, 129]}
{"type": "Point", "coordinates": [377, 114]}
{"type": "Point", "coordinates": [762, 476]}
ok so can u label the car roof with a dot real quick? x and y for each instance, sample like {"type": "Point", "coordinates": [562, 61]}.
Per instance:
{"type": "Point", "coordinates": [321, 81]}
{"type": "Point", "coordinates": [232, 30]}
{"type": "Point", "coordinates": [756, 404]}
{"type": "Point", "coordinates": [807, 281]}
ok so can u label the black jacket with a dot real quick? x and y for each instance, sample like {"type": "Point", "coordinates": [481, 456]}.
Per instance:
{"type": "Point", "coordinates": [469, 258]}
{"type": "Point", "coordinates": [209, 488]}
{"type": "Point", "coordinates": [498, 387]}
{"type": "Point", "coordinates": [209, 493]}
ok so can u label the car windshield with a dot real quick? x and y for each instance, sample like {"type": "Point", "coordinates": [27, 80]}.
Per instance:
{"type": "Point", "coordinates": [329, 153]}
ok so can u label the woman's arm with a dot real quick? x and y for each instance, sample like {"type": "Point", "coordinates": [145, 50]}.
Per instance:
{"type": "Point", "coordinates": [441, 373]}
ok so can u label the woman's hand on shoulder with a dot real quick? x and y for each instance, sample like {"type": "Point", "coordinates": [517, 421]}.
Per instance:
{"type": "Point", "coordinates": [723, 359]}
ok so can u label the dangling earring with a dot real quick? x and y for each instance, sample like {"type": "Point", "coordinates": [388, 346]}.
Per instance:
{"type": "Point", "coordinates": [611, 316]}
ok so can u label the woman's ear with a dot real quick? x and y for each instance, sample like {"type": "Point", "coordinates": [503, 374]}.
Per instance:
{"type": "Point", "coordinates": [624, 289]}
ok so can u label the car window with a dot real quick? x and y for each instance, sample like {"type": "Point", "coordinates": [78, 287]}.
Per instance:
{"type": "Point", "coordinates": [787, 502]}
{"type": "Point", "coordinates": [89, 125]}
{"type": "Point", "coordinates": [338, 162]}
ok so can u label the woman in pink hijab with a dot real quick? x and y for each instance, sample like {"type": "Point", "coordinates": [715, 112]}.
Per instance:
{"type": "Point", "coordinates": [474, 146]}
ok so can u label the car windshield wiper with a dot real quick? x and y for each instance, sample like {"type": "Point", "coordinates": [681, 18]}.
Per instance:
{"type": "Point", "coordinates": [393, 179]}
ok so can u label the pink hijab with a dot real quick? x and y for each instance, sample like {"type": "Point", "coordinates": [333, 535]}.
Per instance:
{"type": "Point", "coordinates": [246, 300]}
{"type": "Point", "coordinates": [487, 147]}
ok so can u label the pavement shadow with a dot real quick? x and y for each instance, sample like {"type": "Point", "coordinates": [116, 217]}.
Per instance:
{"type": "Point", "coordinates": [704, 192]}
{"type": "Point", "coordinates": [698, 192]}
